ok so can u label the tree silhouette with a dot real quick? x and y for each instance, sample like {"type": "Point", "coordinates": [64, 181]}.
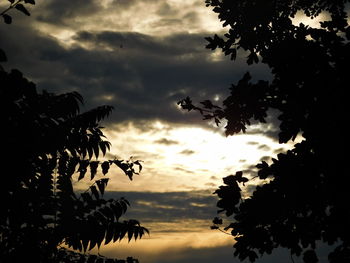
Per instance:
{"type": "Point", "coordinates": [46, 141]}
{"type": "Point", "coordinates": [302, 195]}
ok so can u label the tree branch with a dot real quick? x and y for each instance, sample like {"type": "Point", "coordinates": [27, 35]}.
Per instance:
{"type": "Point", "coordinates": [10, 7]}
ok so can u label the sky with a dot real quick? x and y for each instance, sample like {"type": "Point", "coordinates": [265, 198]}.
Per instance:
{"type": "Point", "coordinates": [142, 57]}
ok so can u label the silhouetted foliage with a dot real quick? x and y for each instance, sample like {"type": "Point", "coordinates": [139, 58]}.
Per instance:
{"type": "Point", "coordinates": [45, 142]}
{"type": "Point", "coordinates": [18, 5]}
{"type": "Point", "coordinates": [302, 195]}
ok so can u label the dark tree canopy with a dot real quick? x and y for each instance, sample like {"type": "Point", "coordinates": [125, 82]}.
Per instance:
{"type": "Point", "coordinates": [302, 195]}
{"type": "Point", "coordinates": [46, 140]}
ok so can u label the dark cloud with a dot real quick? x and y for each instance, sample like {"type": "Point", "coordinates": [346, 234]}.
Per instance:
{"type": "Point", "coordinates": [264, 147]}
{"type": "Point", "coordinates": [212, 185]}
{"type": "Point", "coordinates": [279, 150]}
{"type": "Point", "coordinates": [183, 170]}
{"type": "Point", "coordinates": [143, 80]}
{"type": "Point", "coordinates": [222, 254]}
{"type": "Point", "coordinates": [169, 206]}
{"type": "Point", "coordinates": [190, 17]}
{"type": "Point", "coordinates": [144, 87]}
{"type": "Point", "coordinates": [125, 4]}
{"type": "Point", "coordinates": [58, 12]}
{"type": "Point", "coordinates": [265, 158]}
{"type": "Point", "coordinates": [166, 141]}
{"type": "Point", "coordinates": [174, 46]}
{"type": "Point", "coordinates": [166, 10]}
{"type": "Point", "coordinates": [187, 152]}
{"type": "Point", "coordinates": [252, 143]}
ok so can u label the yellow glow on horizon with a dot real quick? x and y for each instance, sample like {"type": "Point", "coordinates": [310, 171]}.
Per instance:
{"type": "Point", "coordinates": [167, 244]}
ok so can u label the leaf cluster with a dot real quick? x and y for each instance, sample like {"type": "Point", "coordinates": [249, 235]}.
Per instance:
{"type": "Point", "coordinates": [46, 142]}
{"type": "Point", "coordinates": [301, 195]}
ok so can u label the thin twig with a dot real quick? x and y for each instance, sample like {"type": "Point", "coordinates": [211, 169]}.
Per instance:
{"type": "Point", "coordinates": [224, 232]}
{"type": "Point", "coordinates": [10, 7]}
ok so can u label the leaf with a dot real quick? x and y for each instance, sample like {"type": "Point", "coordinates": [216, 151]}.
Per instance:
{"type": "Point", "coordinates": [72, 163]}
{"type": "Point", "coordinates": [104, 145]}
{"type": "Point", "coordinates": [105, 167]}
{"type": "Point", "coordinates": [217, 221]}
{"type": "Point", "coordinates": [85, 243]}
{"type": "Point", "coordinates": [207, 104]}
{"type": "Point", "coordinates": [211, 44]}
{"type": "Point", "coordinates": [123, 206]}
{"type": "Point", "coordinates": [101, 184]}
{"type": "Point", "coordinates": [117, 228]}
{"type": "Point", "coordinates": [123, 231]}
{"type": "Point", "coordinates": [233, 54]}
{"type": "Point", "coordinates": [3, 57]}
{"type": "Point", "coordinates": [22, 9]}
{"type": "Point", "coordinates": [7, 19]}
{"type": "Point", "coordinates": [90, 151]}
{"type": "Point", "coordinates": [93, 168]}
{"type": "Point", "coordinates": [138, 162]}
{"type": "Point", "coordinates": [32, 2]}
{"type": "Point", "coordinates": [109, 233]}
{"type": "Point", "coordinates": [82, 168]}
{"type": "Point", "coordinates": [96, 149]}
{"type": "Point", "coordinates": [130, 233]}
{"type": "Point", "coordinates": [230, 180]}
{"type": "Point", "coordinates": [94, 192]}
{"type": "Point", "coordinates": [117, 210]}
{"type": "Point", "coordinates": [125, 202]}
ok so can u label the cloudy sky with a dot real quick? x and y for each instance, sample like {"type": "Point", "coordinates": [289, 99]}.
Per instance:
{"type": "Point", "coordinates": [142, 56]}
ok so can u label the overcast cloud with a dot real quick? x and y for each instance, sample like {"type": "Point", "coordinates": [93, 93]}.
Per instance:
{"type": "Point", "coordinates": [142, 75]}
{"type": "Point", "coordinates": [142, 57]}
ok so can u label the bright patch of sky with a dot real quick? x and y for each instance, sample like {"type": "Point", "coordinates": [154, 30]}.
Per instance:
{"type": "Point", "coordinates": [151, 17]}
{"type": "Point", "coordinates": [183, 158]}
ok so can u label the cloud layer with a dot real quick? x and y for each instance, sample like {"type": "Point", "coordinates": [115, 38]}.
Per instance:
{"type": "Point", "coordinates": [140, 72]}
{"type": "Point", "coordinates": [142, 57]}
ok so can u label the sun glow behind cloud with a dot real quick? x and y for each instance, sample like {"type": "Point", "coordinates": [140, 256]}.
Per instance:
{"type": "Point", "coordinates": [183, 158]}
